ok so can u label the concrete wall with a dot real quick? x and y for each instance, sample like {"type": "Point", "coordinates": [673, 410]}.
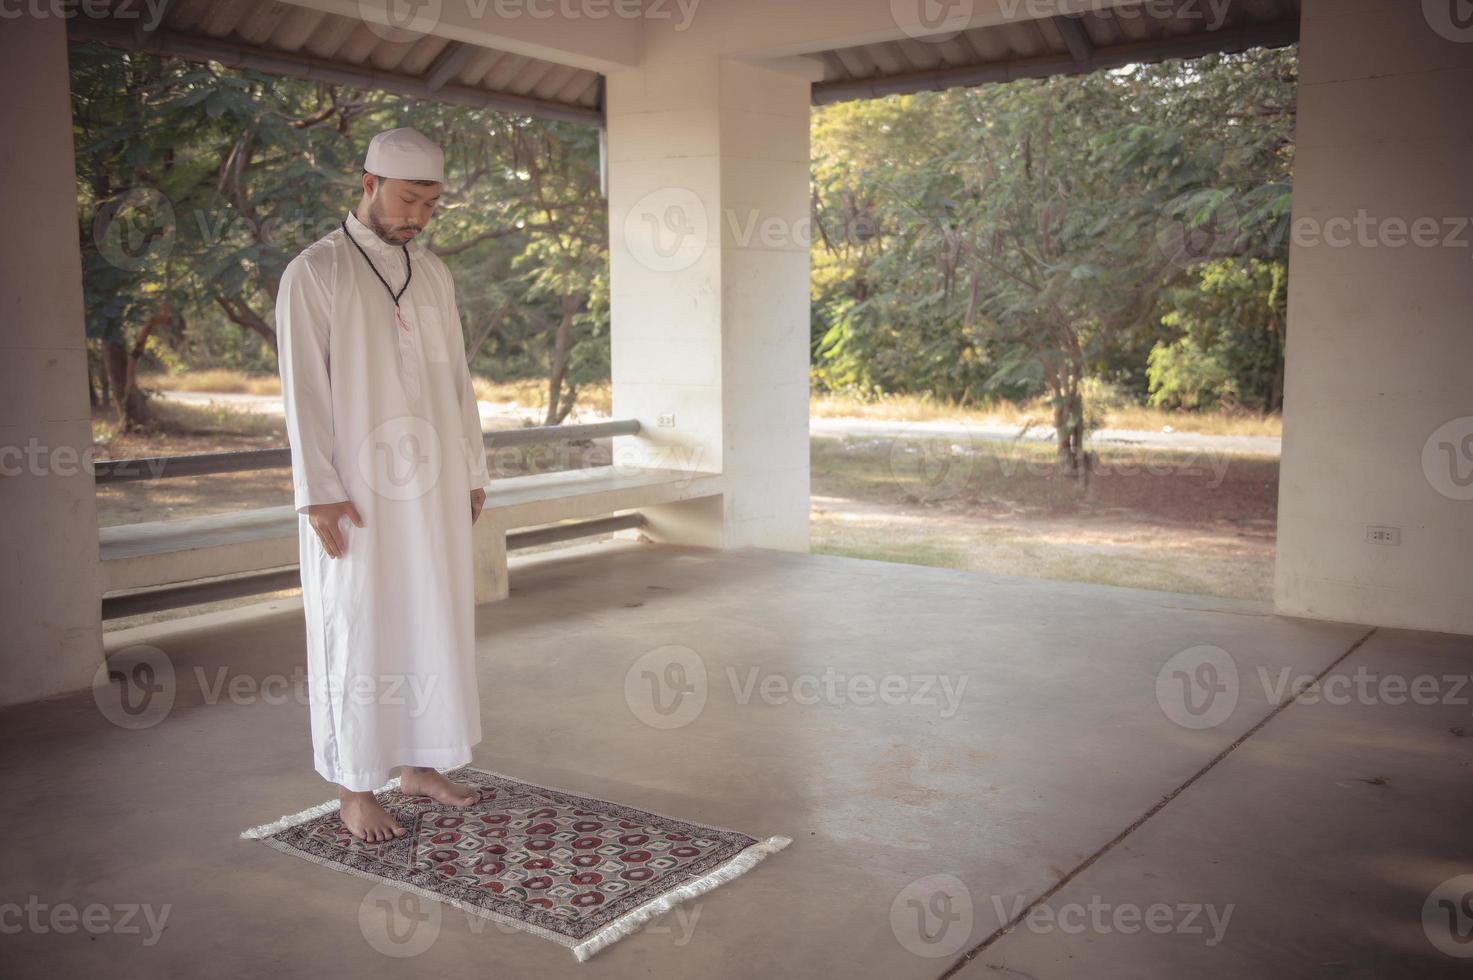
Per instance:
{"type": "Point", "coordinates": [1378, 424]}
{"type": "Point", "coordinates": [52, 633]}
{"type": "Point", "coordinates": [708, 213]}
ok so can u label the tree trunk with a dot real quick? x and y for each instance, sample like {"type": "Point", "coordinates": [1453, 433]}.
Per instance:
{"type": "Point", "coordinates": [96, 393]}
{"type": "Point", "coordinates": [128, 402]}
{"type": "Point", "coordinates": [1069, 424]}
{"type": "Point", "coordinates": [1276, 392]}
{"type": "Point", "coordinates": [558, 407]}
{"type": "Point", "coordinates": [1073, 389]}
{"type": "Point", "coordinates": [104, 386]}
{"type": "Point", "coordinates": [122, 368]}
{"type": "Point", "coordinates": [1063, 375]}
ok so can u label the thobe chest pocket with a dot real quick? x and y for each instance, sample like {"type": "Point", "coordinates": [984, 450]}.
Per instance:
{"type": "Point", "coordinates": [432, 333]}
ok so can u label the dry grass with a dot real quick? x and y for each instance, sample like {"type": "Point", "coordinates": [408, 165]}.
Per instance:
{"type": "Point", "coordinates": [230, 382]}
{"type": "Point", "coordinates": [1147, 419]}
{"type": "Point", "coordinates": [915, 408]}
{"type": "Point", "coordinates": [598, 400]}
{"type": "Point", "coordinates": [592, 399]}
{"type": "Point", "coordinates": [175, 429]}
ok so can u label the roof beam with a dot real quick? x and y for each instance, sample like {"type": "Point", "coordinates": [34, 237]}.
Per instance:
{"type": "Point", "coordinates": [451, 61]}
{"type": "Point", "coordinates": [1076, 38]}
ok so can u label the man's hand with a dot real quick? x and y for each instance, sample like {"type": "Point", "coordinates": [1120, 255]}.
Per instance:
{"type": "Point", "coordinates": [478, 500]}
{"type": "Point", "coordinates": [324, 520]}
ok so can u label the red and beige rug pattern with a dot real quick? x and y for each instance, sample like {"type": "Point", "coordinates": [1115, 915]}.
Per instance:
{"type": "Point", "coordinates": [580, 871]}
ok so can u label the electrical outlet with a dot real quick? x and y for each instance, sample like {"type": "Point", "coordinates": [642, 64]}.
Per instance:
{"type": "Point", "coordinates": [665, 420]}
{"type": "Point", "coordinates": [1383, 535]}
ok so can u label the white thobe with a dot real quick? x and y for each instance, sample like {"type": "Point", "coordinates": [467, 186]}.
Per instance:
{"type": "Point", "coordinates": [385, 416]}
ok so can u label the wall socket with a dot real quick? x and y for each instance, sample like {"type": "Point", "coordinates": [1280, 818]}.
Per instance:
{"type": "Point", "coordinates": [665, 420]}
{"type": "Point", "coordinates": [1383, 535]}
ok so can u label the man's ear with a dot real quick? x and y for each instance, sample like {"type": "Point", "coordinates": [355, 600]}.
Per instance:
{"type": "Point", "coordinates": [370, 181]}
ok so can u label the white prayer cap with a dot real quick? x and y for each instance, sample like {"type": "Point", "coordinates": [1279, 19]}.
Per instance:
{"type": "Point", "coordinates": [405, 154]}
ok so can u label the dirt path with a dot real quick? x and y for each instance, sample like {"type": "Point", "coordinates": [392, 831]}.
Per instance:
{"type": "Point", "coordinates": [1194, 442]}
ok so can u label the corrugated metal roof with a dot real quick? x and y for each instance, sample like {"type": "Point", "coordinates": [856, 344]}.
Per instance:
{"type": "Point", "coordinates": [1072, 44]}
{"type": "Point", "coordinates": [288, 39]}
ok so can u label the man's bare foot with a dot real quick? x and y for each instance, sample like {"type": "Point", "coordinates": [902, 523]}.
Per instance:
{"type": "Point", "coordinates": [419, 781]}
{"type": "Point", "coordinates": [367, 820]}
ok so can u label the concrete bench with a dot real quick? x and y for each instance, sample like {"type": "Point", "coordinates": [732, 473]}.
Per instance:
{"type": "Point", "coordinates": [155, 554]}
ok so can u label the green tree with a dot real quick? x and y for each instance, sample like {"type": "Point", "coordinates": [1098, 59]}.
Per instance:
{"type": "Point", "coordinates": [197, 184]}
{"type": "Point", "coordinates": [1013, 239]}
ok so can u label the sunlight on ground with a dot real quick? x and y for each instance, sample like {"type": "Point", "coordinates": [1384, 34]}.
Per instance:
{"type": "Point", "coordinates": [1174, 525]}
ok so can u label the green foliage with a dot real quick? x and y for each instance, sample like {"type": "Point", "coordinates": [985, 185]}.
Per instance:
{"type": "Point", "coordinates": [1185, 375]}
{"type": "Point", "coordinates": [1016, 240]}
{"type": "Point", "coordinates": [1227, 346]}
{"type": "Point", "coordinates": [197, 184]}
{"type": "Point", "coordinates": [1057, 237]}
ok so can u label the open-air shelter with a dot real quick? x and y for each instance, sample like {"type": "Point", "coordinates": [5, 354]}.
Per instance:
{"type": "Point", "coordinates": [1328, 825]}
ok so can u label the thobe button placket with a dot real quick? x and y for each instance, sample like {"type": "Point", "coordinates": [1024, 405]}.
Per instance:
{"type": "Point", "coordinates": [408, 361]}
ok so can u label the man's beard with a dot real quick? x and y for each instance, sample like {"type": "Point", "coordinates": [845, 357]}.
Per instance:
{"type": "Point", "coordinates": [380, 227]}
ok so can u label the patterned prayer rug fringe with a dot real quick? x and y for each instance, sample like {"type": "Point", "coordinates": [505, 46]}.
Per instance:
{"type": "Point", "coordinates": [631, 921]}
{"type": "Point", "coordinates": [311, 813]}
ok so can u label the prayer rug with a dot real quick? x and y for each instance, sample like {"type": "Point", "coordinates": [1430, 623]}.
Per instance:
{"type": "Point", "coordinates": [577, 870]}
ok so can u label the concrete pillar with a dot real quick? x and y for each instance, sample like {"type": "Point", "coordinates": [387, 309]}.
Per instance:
{"type": "Point", "coordinates": [708, 212]}
{"type": "Point", "coordinates": [49, 608]}
{"type": "Point", "coordinates": [1378, 415]}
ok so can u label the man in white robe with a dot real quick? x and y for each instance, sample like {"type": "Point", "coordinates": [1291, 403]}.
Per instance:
{"type": "Point", "coordinates": [389, 473]}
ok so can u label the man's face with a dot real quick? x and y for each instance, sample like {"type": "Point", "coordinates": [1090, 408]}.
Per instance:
{"type": "Point", "coordinates": [399, 209]}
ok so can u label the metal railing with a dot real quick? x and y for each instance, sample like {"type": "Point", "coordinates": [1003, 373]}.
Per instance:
{"type": "Point", "coordinates": [246, 460]}
{"type": "Point", "coordinates": [273, 580]}
{"type": "Point", "coordinates": [289, 576]}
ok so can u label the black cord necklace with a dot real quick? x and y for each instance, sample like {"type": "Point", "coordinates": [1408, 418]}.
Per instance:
{"type": "Point", "coordinates": [408, 272]}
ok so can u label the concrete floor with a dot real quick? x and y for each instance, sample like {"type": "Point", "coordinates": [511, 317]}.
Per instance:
{"type": "Point", "coordinates": [1023, 757]}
